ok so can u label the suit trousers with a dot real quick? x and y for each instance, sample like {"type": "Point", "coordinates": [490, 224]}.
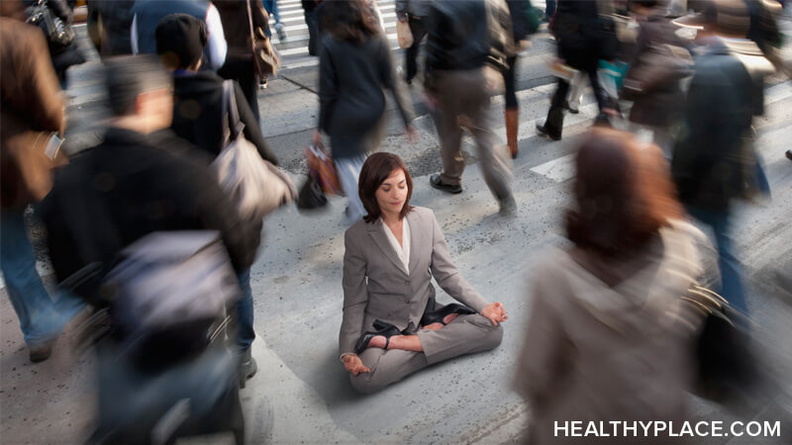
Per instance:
{"type": "Point", "coordinates": [465, 93]}
{"type": "Point", "coordinates": [467, 334]}
{"type": "Point", "coordinates": [411, 54]}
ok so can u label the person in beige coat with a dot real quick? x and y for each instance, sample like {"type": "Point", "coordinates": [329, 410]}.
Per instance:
{"type": "Point", "coordinates": [609, 337]}
{"type": "Point", "coordinates": [392, 325]}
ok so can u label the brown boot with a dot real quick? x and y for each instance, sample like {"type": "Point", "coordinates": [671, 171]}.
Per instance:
{"type": "Point", "coordinates": [512, 123]}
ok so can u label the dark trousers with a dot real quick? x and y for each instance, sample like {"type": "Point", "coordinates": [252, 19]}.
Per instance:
{"type": "Point", "coordinates": [510, 82]}
{"type": "Point", "coordinates": [244, 73]}
{"type": "Point", "coordinates": [313, 32]}
{"type": "Point", "coordinates": [554, 123]}
{"type": "Point", "coordinates": [411, 54]}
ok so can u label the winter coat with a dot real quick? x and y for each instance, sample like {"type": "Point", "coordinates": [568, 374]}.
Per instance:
{"type": "Point", "coordinates": [236, 25]}
{"type": "Point", "coordinates": [594, 352]}
{"type": "Point", "coordinates": [710, 163]}
{"type": "Point", "coordinates": [352, 80]}
{"type": "Point", "coordinates": [127, 187]}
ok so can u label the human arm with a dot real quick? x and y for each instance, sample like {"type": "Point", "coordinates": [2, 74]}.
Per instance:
{"type": "Point", "coordinates": [217, 43]}
{"type": "Point", "coordinates": [328, 88]}
{"type": "Point", "coordinates": [355, 293]}
{"type": "Point", "coordinates": [447, 274]}
{"type": "Point", "coordinates": [390, 80]}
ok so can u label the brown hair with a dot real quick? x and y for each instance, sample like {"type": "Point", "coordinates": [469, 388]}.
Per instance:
{"type": "Point", "coordinates": [623, 193]}
{"type": "Point", "coordinates": [349, 20]}
{"type": "Point", "coordinates": [375, 171]}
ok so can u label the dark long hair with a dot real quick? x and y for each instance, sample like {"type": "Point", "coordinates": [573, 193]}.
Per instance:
{"type": "Point", "coordinates": [348, 20]}
{"type": "Point", "coordinates": [623, 194]}
{"type": "Point", "coordinates": [375, 171]}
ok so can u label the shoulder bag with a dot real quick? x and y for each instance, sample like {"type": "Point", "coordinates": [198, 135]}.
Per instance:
{"type": "Point", "coordinates": [265, 58]}
{"type": "Point", "coordinates": [255, 185]}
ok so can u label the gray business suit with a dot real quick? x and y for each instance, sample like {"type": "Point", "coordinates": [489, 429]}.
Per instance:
{"type": "Point", "coordinates": [376, 287]}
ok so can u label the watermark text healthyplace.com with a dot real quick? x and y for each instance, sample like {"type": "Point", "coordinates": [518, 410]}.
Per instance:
{"type": "Point", "coordinates": [657, 428]}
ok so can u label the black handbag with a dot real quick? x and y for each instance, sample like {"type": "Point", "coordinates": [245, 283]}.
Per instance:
{"type": "Point", "coordinates": [311, 196]}
{"type": "Point", "coordinates": [59, 35]}
{"type": "Point", "coordinates": [726, 364]}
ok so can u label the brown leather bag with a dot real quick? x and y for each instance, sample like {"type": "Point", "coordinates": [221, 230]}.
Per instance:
{"type": "Point", "coordinates": [265, 58]}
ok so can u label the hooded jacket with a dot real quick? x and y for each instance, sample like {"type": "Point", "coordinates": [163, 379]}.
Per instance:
{"type": "Point", "coordinates": [197, 113]}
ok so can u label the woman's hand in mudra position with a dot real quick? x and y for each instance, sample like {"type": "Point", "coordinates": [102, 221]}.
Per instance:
{"type": "Point", "coordinates": [495, 312]}
{"type": "Point", "coordinates": [354, 364]}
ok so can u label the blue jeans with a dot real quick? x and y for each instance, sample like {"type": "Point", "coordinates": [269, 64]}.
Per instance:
{"type": "Point", "coordinates": [272, 9]}
{"type": "Point", "coordinates": [348, 173]}
{"type": "Point", "coordinates": [730, 268]}
{"type": "Point", "coordinates": [40, 318]}
{"type": "Point", "coordinates": [245, 332]}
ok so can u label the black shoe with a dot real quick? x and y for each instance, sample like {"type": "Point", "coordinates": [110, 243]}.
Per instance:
{"type": "Point", "coordinates": [438, 315]}
{"type": "Point", "coordinates": [789, 154]}
{"type": "Point", "coordinates": [247, 366]}
{"type": "Point", "coordinates": [388, 332]}
{"type": "Point", "coordinates": [542, 131]}
{"type": "Point", "coordinates": [570, 109]}
{"type": "Point", "coordinates": [435, 182]}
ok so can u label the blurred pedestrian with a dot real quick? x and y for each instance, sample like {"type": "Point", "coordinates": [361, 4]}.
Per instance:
{"type": "Point", "coordinates": [109, 26]}
{"type": "Point", "coordinates": [392, 325]}
{"type": "Point", "coordinates": [715, 163]}
{"type": "Point", "coordinates": [239, 59]}
{"type": "Point", "coordinates": [522, 28]}
{"type": "Point", "coordinates": [653, 81]}
{"type": "Point", "coordinates": [414, 13]}
{"type": "Point", "coordinates": [466, 50]}
{"type": "Point", "coordinates": [32, 113]}
{"type": "Point", "coordinates": [603, 310]}
{"type": "Point", "coordinates": [355, 67]}
{"type": "Point", "coordinates": [197, 116]}
{"type": "Point", "coordinates": [146, 15]}
{"type": "Point", "coordinates": [583, 41]}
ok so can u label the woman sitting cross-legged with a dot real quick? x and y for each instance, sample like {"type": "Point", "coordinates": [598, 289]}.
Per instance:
{"type": "Point", "coordinates": [392, 324]}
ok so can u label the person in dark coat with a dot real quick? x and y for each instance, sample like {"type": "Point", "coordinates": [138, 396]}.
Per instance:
{"type": "Point", "coordinates": [581, 45]}
{"type": "Point", "coordinates": [355, 67]}
{"type": "Point", "coordinates": [465, 47]}
{"type": "Point", "coordinates": [197, 117]}
{"type": "Point", "coordinates": [521, 30]}
{"type": "Point", "coordinates": [710, 163]}
{"type": "Point", "coordinates": [239, 59]}
{"type": "Point", "coordinates": [657, 93]}
{"type": "Point", "coordinates": [414, 13]}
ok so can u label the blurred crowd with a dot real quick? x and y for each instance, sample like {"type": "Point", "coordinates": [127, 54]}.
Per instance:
{"type": "Point", "coordinates": [153, 251]}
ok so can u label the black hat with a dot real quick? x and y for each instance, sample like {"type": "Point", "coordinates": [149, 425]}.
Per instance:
{"type": "Point", "coordinates": [725, 17]}
{"type": "Point", "coordinates": [181, 39]}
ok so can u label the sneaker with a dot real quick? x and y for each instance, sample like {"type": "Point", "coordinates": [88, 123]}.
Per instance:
{"type": "Point", "coordinates": [281, 32]}
{"type": "Point", "coordinates": [435, 182]}
{"type": "Point", "coordinates": [247, 366]}
{"type": "Point", "coordinates": [789, 154]}
{"type": "Point", "coordinates": [542, 131]}
{"type": "Point", "coordinates": [263, 83]}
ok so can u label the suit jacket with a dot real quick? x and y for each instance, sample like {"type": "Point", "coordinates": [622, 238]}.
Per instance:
{"type": "Point", "coordinates": [376, 286]}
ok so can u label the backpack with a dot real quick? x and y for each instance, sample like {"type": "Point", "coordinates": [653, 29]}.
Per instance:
{"type": "Point", "coordinates": [171, 285]}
